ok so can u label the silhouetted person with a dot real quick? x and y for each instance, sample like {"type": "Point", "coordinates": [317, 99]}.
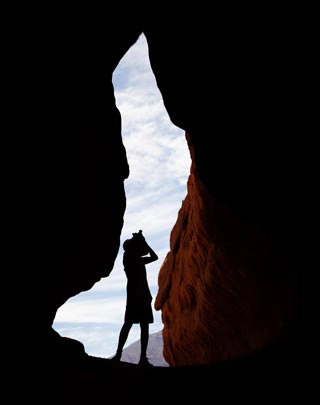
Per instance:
{"type": "Point", "coordinates": [139, 298]}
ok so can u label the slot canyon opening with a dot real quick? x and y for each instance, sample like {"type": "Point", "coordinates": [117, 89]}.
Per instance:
{"type": "Point", "coordinates": [159, 162]}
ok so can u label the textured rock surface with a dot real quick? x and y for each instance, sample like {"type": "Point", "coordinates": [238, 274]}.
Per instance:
{"type": "Point", "coordinates": [224, 290]}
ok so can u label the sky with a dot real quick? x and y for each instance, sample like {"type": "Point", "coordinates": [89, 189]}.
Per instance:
{"type": "Point", "coordinates": [159, 163]}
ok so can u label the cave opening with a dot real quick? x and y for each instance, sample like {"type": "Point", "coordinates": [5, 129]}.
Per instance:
{"type": "Point", "coordinates": [159, 162]}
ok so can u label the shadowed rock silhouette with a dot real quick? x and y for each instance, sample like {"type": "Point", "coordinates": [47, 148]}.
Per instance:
{"type": "Point", "coordinates": [240, 81]}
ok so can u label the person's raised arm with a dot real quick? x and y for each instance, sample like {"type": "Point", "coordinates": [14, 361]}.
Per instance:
{"type": "Point", "coordinates": [152, 258]}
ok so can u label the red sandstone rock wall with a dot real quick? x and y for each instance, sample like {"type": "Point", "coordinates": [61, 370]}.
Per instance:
{"type": "Point", "coordinates": [223, 291]}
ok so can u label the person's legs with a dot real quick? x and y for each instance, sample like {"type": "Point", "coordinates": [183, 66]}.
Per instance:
{"type": "Point", "coordinates": [123, 336]}
{"type": "Point", "coordinates": [144, 339]}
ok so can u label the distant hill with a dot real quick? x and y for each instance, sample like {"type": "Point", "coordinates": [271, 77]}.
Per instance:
{"type": "Point", "coordinates": [131, 354]}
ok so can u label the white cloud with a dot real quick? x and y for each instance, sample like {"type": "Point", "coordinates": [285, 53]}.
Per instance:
{"type": "Point", "coordinates": [93, 310]}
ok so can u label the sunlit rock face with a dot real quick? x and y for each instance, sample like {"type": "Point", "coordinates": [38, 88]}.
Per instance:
{"type": "Point", "coordinates": [224, 291]}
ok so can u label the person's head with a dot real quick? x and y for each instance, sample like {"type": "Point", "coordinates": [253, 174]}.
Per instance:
{"type": "Point", "coordinates": [137, 244]}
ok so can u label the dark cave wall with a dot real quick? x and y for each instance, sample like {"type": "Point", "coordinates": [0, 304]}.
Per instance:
{"type": "Point", "coordinates": [244, 254]}
{"type": "Point", "coordinates": [242, 91]}
{"type": "Point", "coordinates": [84, 164]}
{"type": "Point", "coordinates": [240, 271]}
